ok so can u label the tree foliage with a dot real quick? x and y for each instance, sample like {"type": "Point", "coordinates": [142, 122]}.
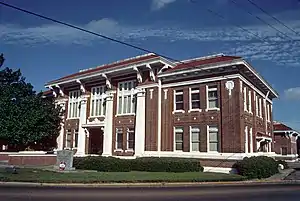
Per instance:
{"type": "Point", "coordinates": [26, 117]}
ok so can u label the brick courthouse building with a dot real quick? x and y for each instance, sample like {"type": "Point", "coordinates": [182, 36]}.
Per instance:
{"type": "Point", "coordinates": [213, 108]}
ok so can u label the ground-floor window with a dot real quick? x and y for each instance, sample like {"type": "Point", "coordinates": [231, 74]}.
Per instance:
{"type": "Point", "coordinates": [68, 139]}
{"type": "Point", "coordinates": [213, 139]}
{"type": "Point", "coordinates": [119, 139]}
{"type": "Point", "coordinates": [130, 139]}
{"type": "Point", "coordinates": [178, 138]}
{"type": "Point", "coordinates": [195, 138]}
{"type": "Point", "coordinates": [75, 144]}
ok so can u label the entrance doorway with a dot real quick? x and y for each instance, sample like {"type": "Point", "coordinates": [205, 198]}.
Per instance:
{"type": "Point", "coordinates": [95, 141]}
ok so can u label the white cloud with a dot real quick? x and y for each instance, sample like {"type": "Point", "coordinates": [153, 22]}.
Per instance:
{"type": "Point", "coordinates": [232, 40]}
{"type": "Point", "coordinates": [292, 93]}
{"type": "Point", "coordinates": [159, 4]}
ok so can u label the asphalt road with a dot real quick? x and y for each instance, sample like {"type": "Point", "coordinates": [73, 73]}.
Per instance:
{"type": "Point", "coordinates": [241, 193]}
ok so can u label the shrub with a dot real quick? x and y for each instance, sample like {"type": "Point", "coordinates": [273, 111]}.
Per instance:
{"type": "Point", "coordinates": [257, 167]}
{"type": "Point", "coordinates": [151, 164]}
{"type": "Point", "coordinates": [284, 163]}
{"type": "Point", "coordinates": [102, 164]}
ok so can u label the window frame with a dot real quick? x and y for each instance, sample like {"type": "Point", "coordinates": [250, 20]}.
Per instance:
{"type": "Point", "coordinates": [194, 90]}
{"type": "Point", "coordinates": [260, 107]}
{"type": "Point", "coordinates": [75, 141]}
{"type": "Point", "coordinates": [211, 88]}
{"type": "Point", "coordinates": [213, 128]}
{"type": "Point", "coordinates": [98, 97]}
{"type": "Point", "coordinates": [195, 129]}
{"type": "Point", "coordinates": [130, 131]}
{"type": "Point", "coordinates": [71, 102]}
{"type": "Point", "coordinates": [126, 93]}
{"type": "Point", "coordinates": [250, 102]}
{"type": "Point", "coordinates": [68, 132]}
{"type": "Point", "coordinates": [119, 131]}
{"type": "Point", "coordinates": [181, 93]}
{"type": "Point", "coordinates": [245, 99]}
{"type": "Point", "coordinates": [179, 129]}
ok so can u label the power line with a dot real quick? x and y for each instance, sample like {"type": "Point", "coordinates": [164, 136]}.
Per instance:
{"type": "Point", "coordinates": [260, 19]}
{"type": "Point", "coordinates": [87, 31]}
{"type": "Point", "coordinates": [274, 18]}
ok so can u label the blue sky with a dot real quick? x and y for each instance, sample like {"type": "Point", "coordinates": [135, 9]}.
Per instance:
{"type": "Point", "coordinates": [179, 29]}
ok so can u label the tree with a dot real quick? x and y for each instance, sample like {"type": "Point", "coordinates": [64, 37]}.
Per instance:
{"type": "Point", "coordinates": [26, 117]}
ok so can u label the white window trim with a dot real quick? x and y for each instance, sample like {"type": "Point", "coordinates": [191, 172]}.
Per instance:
{"type": "Point", "coordinates": [129, 130]}
{"type": "Point", "coordinates": [251, 140]}
{"type": "Point", "coordinates": [72, 101]}
{"type": "Point", "coordinates": [246, 144]}
{"type": "Point", "coordinates": [250, 102]}
{"type": "Point", "coordinates": [208, 128]}
{"type": "Point", "coordinates": [175, 92]}
{"type": "Point", "coordinates": [256, 105]}
{"type": "Point", "coordinates": [268, 113]}
{"type": "Point", "coordinates": [97, 97]}
{"type": "Point", "coordinates": [126, 93]}
{"type": "Point", "coordinates": [260, 107]}
{"type": "Point", "coordinates": [116, 140]}
{"type": "Point", "coordinates": [174, 141]}
{"type": "Point", "coordinates": [74, 134]}
{"type": "Point", "coordinates": [245, 99]}
{"type": "Point", "coordinates": [207, 101]}
{"type": "Point", "coordinates": [66, 140]}
{"type": "Point", "coordinates": [191, 143]}
{"type": "Point", "coordinates": [191, 91]}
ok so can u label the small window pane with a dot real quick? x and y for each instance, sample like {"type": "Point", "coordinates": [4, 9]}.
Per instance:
{"type": "Point", "coordinates": [179, 106]}
{"type": "Point", "coordinates": [120, 105]}
{"type": "Point", "coordinates": [195, 104]}
{"type": "Point", "coordinates": [195, 136]}
{"type": "Point", "coordinates": [179, 98]}
{"type": "Point", "coordinates": [213, 103]}
{"type": "Point", "coordinates": [179, 136]}
{"type": "Point", "coordinates": [195, 146]}
{"type": "Point", "coordinates": [213, 146]}
{"type": "Point", "coordinates": [195, 96]}
{"type": "Point", "coordinates": [213, 136]}
{"type": "Point", "coordinates": [179, 146]}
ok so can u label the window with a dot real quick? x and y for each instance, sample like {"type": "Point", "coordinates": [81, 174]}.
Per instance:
{"type": "Point", "coordinates": [75, 142]}
{"type": "Point", "coordinates": [194, 98]}
{"type": "Point", "coordinates": [97, 101]}
{"type": "Point", "coordinates": [245, 99]}
{"type": "Point", "coordinates": [68, 139]}
{"type": "Point", "coordinates": [195, 139]}
{"type": "Point", "coordinates": [119, 139]}
{"type": "Point", "coordinates": [178, 139]}
{"type": "Point", "coordinates": [212, 97]}
{"type": "Point", "coordinates": [260, 108]}
{"type": "Point", "coordinates": [179, 100]}
{"type": "Point", "coordinates": [213, 143]}
{"type": "Point", "coordinates": [126, 97]}
{"type": "Point", "coordinates": [268, 113]}
{"type": "Point", "coordinates": [256, 106]}
{"type": "Point", "coordinates": [250, 102]}
{"type": "Point", "coordinates": [73, 109]}
{"type": "Point", "coordinates": [130, 139]}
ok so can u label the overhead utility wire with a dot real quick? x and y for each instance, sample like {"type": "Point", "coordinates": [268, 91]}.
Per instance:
{"type": "Point", "coordinates": [85, 30]}
{"type": "Point", "coordinates": [274, 18]}
{"type": "Point", "coordinates": [262, 20]}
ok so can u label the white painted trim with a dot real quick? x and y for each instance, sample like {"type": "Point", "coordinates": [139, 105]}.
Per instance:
{"type": "Point", "coordinates": [174, 138]}
{"type": "Point", "coordinates": [217, 78]}
{"type": "Point", "coordinates": [190, 99]}
{"type": "Point", "coordinates": [146, 86]}
{"type": "Point", "coordinates": [122, 94]}
{"type": "Point", "coordinates": [73, 101]}
{"type": "Point", "coordinates": [174, 102]}
{"type": "Point", "coordinates": [250, 102]}
{"type": "Point", "coordinates": [251, 140]}
{"type": "Point", "coordinates": [96, 97]}
{"type": "Point", "coordinates": [197, 129]}
{"type": "Point", "coordinates": [116, 139]}
{"type": "Point", "coordinates": [246, 139]}
{"type": "Point", "coordinates": [207, 98]}
{"type": "Point", "coordinates": [208, 129]}
{"type": "Point", "coordinates": [223, 64]}
{"type": "Point", "coordinates": [245, 99]}
{"type": "Point", "coordinates": [159, 102]}
{"type": "Point", "coordinates": [129, 130]}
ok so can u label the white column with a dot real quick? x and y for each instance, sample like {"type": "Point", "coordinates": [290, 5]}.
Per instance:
{"type": "Point", "coordinates": [108, 128]}
{"type": "Point", "coordinates": [251, 141]}
{"type": "Point", "coordinates": [81, 131]}
{"type": "Point", "coordinates": [246, 139]}
{"type": "Point", "coordinates": [140, 124]}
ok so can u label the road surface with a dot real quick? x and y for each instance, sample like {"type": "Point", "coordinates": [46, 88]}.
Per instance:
{"type": "Point", "coordinates": [229, 193]}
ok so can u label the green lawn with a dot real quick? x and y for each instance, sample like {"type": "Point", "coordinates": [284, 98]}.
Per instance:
{"type": "Point", "coordinates": [43, 176]}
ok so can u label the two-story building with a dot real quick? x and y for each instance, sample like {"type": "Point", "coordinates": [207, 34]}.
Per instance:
{"type": "Point", "coordinates": [214, 107]}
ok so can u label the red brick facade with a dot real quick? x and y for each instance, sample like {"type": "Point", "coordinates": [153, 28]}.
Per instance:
{"type": "Point", "coordinates": [236, 130]}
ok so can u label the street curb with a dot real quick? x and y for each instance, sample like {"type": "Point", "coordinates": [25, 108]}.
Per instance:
{"type": "Point", "coordinates": [151, 185]}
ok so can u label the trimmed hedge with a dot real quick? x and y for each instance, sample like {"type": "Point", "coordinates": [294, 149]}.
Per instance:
{"type": "Point", "coordinates": [257, 167]}
{"type": "Point", "coordinates": [147, 164]}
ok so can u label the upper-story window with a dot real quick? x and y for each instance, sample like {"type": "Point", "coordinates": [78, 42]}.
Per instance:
{"type": "Point", "coordinates": [245, 99]}
{"type": "Point", "coordinates": [260, 108]}
{"type": "Point", "coordinates": [194, 98]}
{"type": "Point", "coordinates": [126, 97]}
{"type": "Point", "coordinates": [268, 113]}
{"type": "Point", "coordinates": [212, 97]}
{"type": "Point", "coordinates": [256, 106]}
{"type": "Point", "coordinates": [178, 100]}
{"type": "Point", "coordinates": [250, 101]}
{"type": "Point", "coordinates": [74, 109]}
{"type": "Point", "coordinates": [97, 101]}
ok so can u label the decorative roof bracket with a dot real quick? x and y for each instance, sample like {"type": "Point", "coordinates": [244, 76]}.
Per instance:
{"type": "Point", "coordinates": [82, 87]}
{"type": "Point", "coordinates": [138, 74]}
{"type": "Point", "coordinates": [107, 81]}
{"type": "Point", "coordinates": [152, 76]}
